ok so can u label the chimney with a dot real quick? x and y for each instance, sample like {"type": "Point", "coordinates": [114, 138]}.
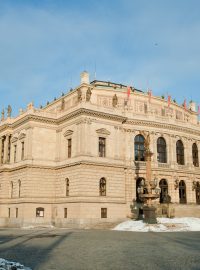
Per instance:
{"type": "Point", "coordinates": [85, 77]}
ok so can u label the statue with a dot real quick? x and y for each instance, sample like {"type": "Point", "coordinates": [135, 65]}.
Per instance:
{"type": "Point", "coordinates": [79, 95]}
{"type": "Point", "coordinates": [88, 94]}
{"type": "Point", "coordinates": [2, 115]}
{"type": "Point", "coordinates": [9, 111]}
{"type": "Point", "coordinates": [147, 140]}
{"type": "Point", "coordinates": [114, 100]}
{"type": "Point", "coordinates": [62, 104]}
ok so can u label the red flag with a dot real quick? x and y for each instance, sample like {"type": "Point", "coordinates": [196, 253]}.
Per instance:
{"type": "Point", "coordinates": [128, 91]}
{"type": "Point", "coordinates": [169, 100]}
{"type": "Point", "coordinates": [149, 94]}
{"type": "Point", "coordinates": [185, 105]}
{"type": "Point", "coordinates": [198, 109]}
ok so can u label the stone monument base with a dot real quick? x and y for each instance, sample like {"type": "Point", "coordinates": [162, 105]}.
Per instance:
{"type": "Point", "coordinates": [149, 213]}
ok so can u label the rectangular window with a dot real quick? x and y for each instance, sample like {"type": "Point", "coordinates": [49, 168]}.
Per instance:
{"type": "Point", "coordinates": [103, 212]}
{"type": "Point", "coordinates": [16, 212]}
{"type": "Point", "coordinates": [69, 147]}
{"type": "Point", "coordinates": [22, 155]}
{"type": "Point", "coordinates": [9, 147]}
{"type": "Point", "coordinates": [65, 212]}
{"type": "Point", "coordinates": [9, 212]}
{"type": "Point", "coordinates": [15, 152]}
{"type": "Point", "coordinates": [102, 147]}
{"type": "Point", "coordinates": [40, 212]}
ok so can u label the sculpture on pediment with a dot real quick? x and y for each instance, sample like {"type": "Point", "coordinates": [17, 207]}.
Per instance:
{"type": "Point", "coordinates": [62, 104]}
{"type": "Point", "coordinates": [79, 93]}
{"type": "Point", "coordinates": [88, 94]}
{"type": "Point", "coordinates": [9, 111]}
{"type": "Point", "coordinates": [114, 100]}
{"type": "Point", "coordinates": [2, 115]}
{"type": "Point", "coordinates": [147, 140]}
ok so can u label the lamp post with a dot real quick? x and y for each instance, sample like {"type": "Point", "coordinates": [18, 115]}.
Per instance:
{"type": "Point", "coordinates": [149, 189]}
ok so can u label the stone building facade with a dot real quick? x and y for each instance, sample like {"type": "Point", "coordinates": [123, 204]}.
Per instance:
{"type": "Point", "coordinates": [80, 158]}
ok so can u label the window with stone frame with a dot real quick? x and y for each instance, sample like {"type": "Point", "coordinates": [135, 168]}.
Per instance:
{"type": "Point", "coordinates": [180, 152]}
{"type": "Point", "coordinates": [102, 147]}
{"type": "Point", "coordinates": [19, 188]}
{"type": "Point", "coordinates": [182, 192]}
{"type": "Point", "coordinates": [11, 189]}
{"type": "Point", "coordinates": [195, 155]}
{"type": "Point", "coordinates": [40, 212]}
{"type": "Point", "coordinates": [16, 212]}
{"type": "Point", "coordinates": [102, 187]}
{"type": "Point", "coordinates": [65, 212]}
{"type": "Point", "coordinates": [198, 193]}
{"type": "Point", "coordinates": [161, 150]}
{"type": "Point", "coordinates": [103, 212]}
{"type": "Point", "coordinates": [67, 187]}
{"type": "Point", "coordinates": [139, 148]}
{"type": "Point", "coordinates": [22, 153]}
{"type": "Point", "coordinates": [15, 153]}
{"type": "Point", "coordinates": [9, 212]}
{"type": "Point", "coordinates": [69, 148]}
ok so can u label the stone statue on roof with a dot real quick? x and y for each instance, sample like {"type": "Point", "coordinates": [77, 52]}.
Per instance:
{"type": "Point", "coordinates": [9, 111]}
{"type": "Point", "coordinates": [88, 94]}
{"type": "Point", "coordinates": [2, 115]}
{"type": "Point", "coordinates": [114, 100]}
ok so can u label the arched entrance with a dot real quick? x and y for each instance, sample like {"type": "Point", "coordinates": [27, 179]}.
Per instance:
{"type": "Point", "coordinates": [198, 193]}
{"type": "Point", "coordinates": [163, 190]}
{"type": "Point", "coordinates": [182, 192]}
{"type": "Point", "coordinates": [138, 184]}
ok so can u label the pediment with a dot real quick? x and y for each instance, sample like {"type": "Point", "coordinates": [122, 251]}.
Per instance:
{"type": "Point", "coordinates": [22, 136]}
{"type": "Point", "coordinates": [68, 133]}
{"type": "Point", "coordinates": [14, 139]}
{"type": "Point", "coordinates": [103, 131]}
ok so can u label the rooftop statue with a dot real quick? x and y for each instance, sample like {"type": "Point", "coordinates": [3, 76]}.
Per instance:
{"type": "Point", "coordinates": [88, 94]}
{"type": "Point", "coordinates": [2, 115]}
{"type": "Point", "coordinates": [114, 100]}
{"type": "Point", "coordinates": [9, 111]}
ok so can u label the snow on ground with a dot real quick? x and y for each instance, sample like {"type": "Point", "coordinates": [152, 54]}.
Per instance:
{"type": "Point", "coordinates": [163, 225]}
{"type": "Point", "coordinates": [8, 265]}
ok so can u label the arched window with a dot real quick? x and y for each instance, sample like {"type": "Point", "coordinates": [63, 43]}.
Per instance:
{"type": "Point", "coordinates": [11, 189]}
{"type": "Point", "coordinates": [139, 148]}
{"type": "Point", "coordinates": [163, 190]}
{"type": "Point", "coordinates": [198, 193]}
{"type": "Point", "coordinates": [161, 150]}
{"type": "Point", "coordinates": [19, 184]}
{"type": "Point", "coordinates": [180, 152]}
{"type": "Point", "coordinates": [195, 155]}
{"type": "Point", "coordinates": [67, 187]}
{"type": "Point", "coordinates": [40, 212]}
{"type": "Point", "coordinates": [102, 187]}
{"type": "Point", "coordinates": [182, 192]}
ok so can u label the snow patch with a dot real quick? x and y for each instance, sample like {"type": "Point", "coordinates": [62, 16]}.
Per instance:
{"type": "Point", "coordinates": [163, 225]}
{"type": "Point", "coordinates": [9, 265]}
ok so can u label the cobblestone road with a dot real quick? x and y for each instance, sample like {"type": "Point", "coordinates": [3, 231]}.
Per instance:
{"type": "Point", "coordinates": [63, 249]}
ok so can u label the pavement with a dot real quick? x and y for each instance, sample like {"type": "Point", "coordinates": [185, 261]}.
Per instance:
{"type": "Point", "coordinates": [63, 249]}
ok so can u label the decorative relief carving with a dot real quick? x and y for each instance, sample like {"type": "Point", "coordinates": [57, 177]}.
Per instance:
{"type": "Point", "coordinates": [114, 100]}
{"type": "Point", "coordinates": [68, 133]}
{"type": "Point", "coordinates": [88, 94]}
{"type": "Point", "coordinates": [103, 131]}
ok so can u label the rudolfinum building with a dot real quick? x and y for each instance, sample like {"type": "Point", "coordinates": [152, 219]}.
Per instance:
{"type": "Point", "coordinates": [79, 159]}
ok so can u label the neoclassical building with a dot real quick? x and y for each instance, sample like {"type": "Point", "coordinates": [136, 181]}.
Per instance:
{"type": "Point", "coordinates": [80, 158]}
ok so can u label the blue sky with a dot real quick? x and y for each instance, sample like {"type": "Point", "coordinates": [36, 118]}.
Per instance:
{"type": "Point", "coordinates": [44, 45]}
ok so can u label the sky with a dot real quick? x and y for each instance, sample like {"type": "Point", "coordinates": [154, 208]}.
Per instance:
{"type": "Point", "coordinates": [46, 44]}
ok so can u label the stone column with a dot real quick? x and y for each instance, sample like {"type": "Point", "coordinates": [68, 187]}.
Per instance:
{"type": "Point", "coordinates": [172, 151]}
{"type": "Point", "coordinates": [0, 150]}
{"type": "Point", "coordinates": [5, 159]}
{"type": "Point", "coordinates": [29, 142]}
{"type": "Point", "coordinates": [88, 137]}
